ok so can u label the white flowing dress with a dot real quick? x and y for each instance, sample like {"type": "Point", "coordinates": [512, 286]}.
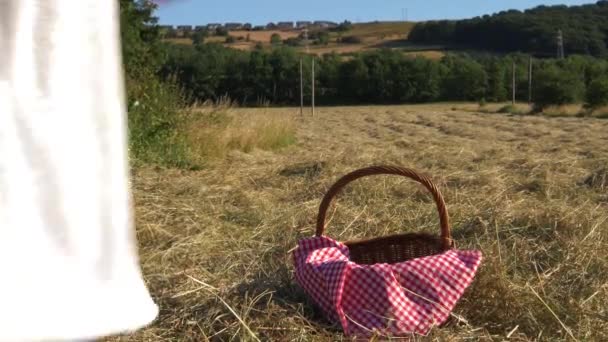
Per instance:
{"type": "Point", "coordinates": [69, 267]}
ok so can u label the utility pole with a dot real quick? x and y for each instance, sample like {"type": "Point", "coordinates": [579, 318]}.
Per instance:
{"type": "Point", "coordinates": [301, 88]}
{"type": "Point", "coordinates": [560, 45]}
{"type": "Point", "coordinates": [530, 80]}
{"type": "Point", "coordinates": [306, 39]}
{"type": "Point", "coordinates": [513, 86]}
{"type": "Point", "coordinates": [313, 86]}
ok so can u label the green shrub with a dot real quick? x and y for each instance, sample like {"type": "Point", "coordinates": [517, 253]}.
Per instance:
{"type": "Point", "coordinates": [321, 38]}
{"type": "Point", "coordinates": [154, 107]}
{"type": "Point", "coordinates": [154, 121]}
{"type": "Point", "coordinates": [597, 92]}
{"type": "Point", "coordinates": [293, 41]}
{"type": "Point", "coordinates": [508, 109]}
{"type": "Point", "coordinates": [275, 39]}
{"type": "Point", "coordinates": [343, 27]}
{"type": "Point", "coordinates": [515, 109]}
{"type": "Point", "coordinates": [199, 37]}
{"type": "Point", "coordinates": [557, 86]}
{"type": "Point", "coordinates": [351, 40]}
{"type": "Point", "coordinates": [465, 79]}
{"type": "Point", "coordinates": [221, 31]}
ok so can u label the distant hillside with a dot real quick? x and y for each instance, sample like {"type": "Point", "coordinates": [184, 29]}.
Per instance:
{"type": "Point", "coordinates": [358, 37]}
{"type": "Point", "coordinates": [584, 28]}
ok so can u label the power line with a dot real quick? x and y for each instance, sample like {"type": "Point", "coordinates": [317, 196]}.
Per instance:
{"type": "Point", "coordinates": [306, 40]}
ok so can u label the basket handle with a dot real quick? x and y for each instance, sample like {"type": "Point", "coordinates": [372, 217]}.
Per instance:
{"type": "Point", "coordinates": [446, 236]}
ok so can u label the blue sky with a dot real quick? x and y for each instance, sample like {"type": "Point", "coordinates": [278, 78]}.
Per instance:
{"type": "Point", "coordinates": [193, 12]}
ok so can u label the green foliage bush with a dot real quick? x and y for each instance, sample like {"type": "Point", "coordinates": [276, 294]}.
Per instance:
{"type": "Point", "coordinates": [507, 109]}
{"type": "Point", "coordinates": [343, 27]}
{"type": "Point", "coordinates": [323, 38]}
{"type": "Point", "coordinates": [199, 37]}
{"type": "Point", "coordinates": [466, 79]}
{"type": "Point", "coordinates": [153, 105]}
{"type": "Point", "coordinates": [320, 37]}
{"type": "Point", "coordinates": [351, 40]}
{"type": "Point", "coordinates": [557, 86]}
{"type": "Point", "coordinates": [293, 41]}
{"type": "Point", "coordinates": [275, 39]}
{"type": "Point", "coordinates": [514, 109]}
{"type": "Point", "coordinates": [154, 122]}
{"type": "Point", "coordinates": [211, 71]}
{"type": "Point", "coordinates": [497, 84]}
{"type": "Point", "coordinates": [597, 92]}
{"type": "Point", "coordinates": [221, 31]}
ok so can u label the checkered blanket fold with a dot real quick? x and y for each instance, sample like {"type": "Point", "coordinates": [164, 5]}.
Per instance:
{"type": "Point", "coordinates": [390, 299]}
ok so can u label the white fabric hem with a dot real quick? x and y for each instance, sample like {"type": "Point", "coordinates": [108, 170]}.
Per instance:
{"type": "Point", "coordinates": [90, 312]}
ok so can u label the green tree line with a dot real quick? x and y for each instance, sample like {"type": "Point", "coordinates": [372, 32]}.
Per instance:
{"type": "Point", "coordinates": [584, 28]}
{"type": "Point", "coordinates": [211, 71]}
{"type": "Point", "coordinates": [161, 78]}
{"type": "Point", "coordinates": [153, 102]}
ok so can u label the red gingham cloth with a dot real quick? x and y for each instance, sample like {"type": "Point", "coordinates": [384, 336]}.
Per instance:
{"type": "Point", "coordinates": [390, 299]}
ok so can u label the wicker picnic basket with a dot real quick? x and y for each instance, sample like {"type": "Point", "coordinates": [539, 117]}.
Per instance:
{"type": "Point", "coordinates": [394, 248]}
{"type": "Point", "coordinates": [394, 285]}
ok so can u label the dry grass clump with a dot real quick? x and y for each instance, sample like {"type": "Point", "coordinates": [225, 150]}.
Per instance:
{"type": "Point", "coordinates": [503, 108]}
{"type": "Point", "coordinates": [601, 112]}
{"type": "Point", "coordinates": [215, 244]}
{"type": "Point", "coordinates": [430, 54]}
{"type": "Point", "coordinates": [217, 130]}
{"type": "Point", "coordinates": [598, 179]}
{"type": "Point", "coordinates": [519, 109]}
{"type": "Point", "coordinates": [564, 110]}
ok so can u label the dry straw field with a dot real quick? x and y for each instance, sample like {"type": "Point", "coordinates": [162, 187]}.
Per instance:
{"type": "Point", "coordinates": [530, 192]}
{"type": "Point", "coordinates": [264, 36]}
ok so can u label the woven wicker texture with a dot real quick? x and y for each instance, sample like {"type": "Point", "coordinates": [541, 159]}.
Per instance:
{"type": "Point", "coordinates": [395, 248]}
